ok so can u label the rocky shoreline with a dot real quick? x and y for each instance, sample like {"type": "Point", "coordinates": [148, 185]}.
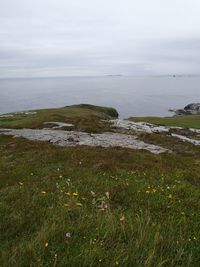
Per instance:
{"type": "Point", "coordinates": [191, 109]}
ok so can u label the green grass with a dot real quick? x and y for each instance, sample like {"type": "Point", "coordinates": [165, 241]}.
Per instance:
{"type": "Point", "coordinates": [190, 121]}
{"type": "Point", "coordinates": [121, 207]}
{"type": "Point", "coordinates": [84, 117]}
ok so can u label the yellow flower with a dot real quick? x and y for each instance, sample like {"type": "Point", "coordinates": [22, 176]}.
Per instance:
{"type": "Point", "coordinates": [46, 244]}
{"type": "Point", "coordinates": [122, 218]}
{"type": "Point", "coordinates": [107, 195]}
{"type": "Point", "coordinates": [92, 193]}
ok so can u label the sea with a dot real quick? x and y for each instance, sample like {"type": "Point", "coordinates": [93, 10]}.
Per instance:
{"type": "Point", "coordinates": [131, 96]}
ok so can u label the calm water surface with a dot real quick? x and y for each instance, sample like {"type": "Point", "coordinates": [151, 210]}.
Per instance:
{"type": "Point", "coordinates": [131, 96]}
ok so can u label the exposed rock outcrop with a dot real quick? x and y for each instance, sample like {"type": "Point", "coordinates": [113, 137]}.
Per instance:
{"type": "Point", "coordinates": [73, 138]}
{"type": "Point", "coordinates": [191, 109]}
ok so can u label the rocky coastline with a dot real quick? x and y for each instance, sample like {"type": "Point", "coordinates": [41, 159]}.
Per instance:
{"type": "Point", "coordinates": [191, 109]}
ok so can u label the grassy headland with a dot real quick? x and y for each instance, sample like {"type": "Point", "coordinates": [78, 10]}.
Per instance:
{"type": "Point", "coordinates": [84, 206]}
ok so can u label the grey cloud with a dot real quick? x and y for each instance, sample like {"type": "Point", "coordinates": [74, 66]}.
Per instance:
{"type": "Point", "coordinates": [95, 37]}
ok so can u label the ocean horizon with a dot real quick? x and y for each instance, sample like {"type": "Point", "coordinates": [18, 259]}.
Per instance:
{"type": "Point", "coordinates": [130, 95]}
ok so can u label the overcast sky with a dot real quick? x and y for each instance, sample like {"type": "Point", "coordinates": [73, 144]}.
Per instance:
{"type": "Point", "coordinates": [97, 37]}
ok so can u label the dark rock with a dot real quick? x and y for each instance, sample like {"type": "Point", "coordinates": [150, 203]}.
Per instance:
{"type": "Point", "coordinates": [180, 112]}
{"type": "Point", "coordinates": [191, 109]}
{"type": "Point", "coordinates": [70, 139]}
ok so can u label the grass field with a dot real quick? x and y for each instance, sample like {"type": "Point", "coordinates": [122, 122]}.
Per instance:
{"type": "Point", "coordinates": [189, 121]}
{"type": "Point", "coordinates": [86, 206]}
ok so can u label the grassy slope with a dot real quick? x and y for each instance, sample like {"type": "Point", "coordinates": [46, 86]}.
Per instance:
{"type": "Point", "coordinates": [84, 117]}
{"type": "Point", "coordinates": [151, 215]}
{"type": "Point", "coordinates": [192, 121]}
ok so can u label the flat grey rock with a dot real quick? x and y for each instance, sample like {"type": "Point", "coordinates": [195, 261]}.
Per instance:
{"type": "Point", "coordinates": [73, 138]}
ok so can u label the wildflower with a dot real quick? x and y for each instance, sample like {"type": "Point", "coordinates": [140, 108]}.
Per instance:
{"type": "Point", "coordinates": [147, 192]}
{"type": "Point", "coordinates": [43, 192]}
{"type": "Point", "coordinates": [46, 244]}
{"type": "Point", "coordinates": [107, 195]}
{"type": "Point", "coordinates": [79, 204]}
{"type": "Point", "coordinates": [103, 205]}
{"type": "Point", "coordinates": [92, 193]}
{"type": "Point", "coordinates": [122, 219]}
{"type": "Point", "coordinates": [68, 235]}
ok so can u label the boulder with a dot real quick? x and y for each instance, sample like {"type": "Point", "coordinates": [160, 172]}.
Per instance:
{"type": "Point", "coordinates": [191, 109]}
